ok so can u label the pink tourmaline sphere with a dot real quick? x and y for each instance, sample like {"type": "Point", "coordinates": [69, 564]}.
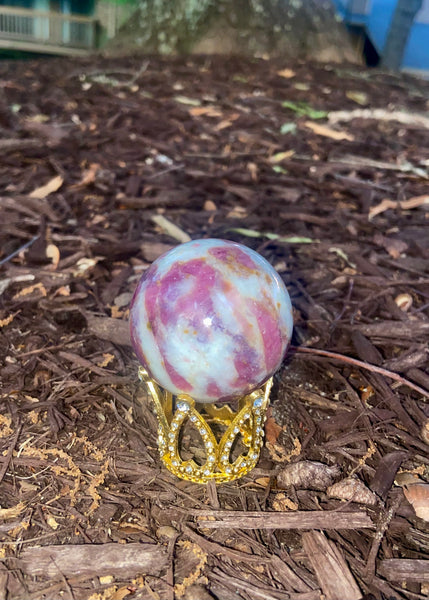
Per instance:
{"type": "Point", "coordinates": [211, 319]}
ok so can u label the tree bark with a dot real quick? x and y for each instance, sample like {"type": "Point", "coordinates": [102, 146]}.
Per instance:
{"type": "Point", "coordinates": [287, 28]}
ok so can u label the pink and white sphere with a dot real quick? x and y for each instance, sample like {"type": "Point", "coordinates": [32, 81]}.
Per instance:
{"type": "Point", "coordinates": [211, 319]}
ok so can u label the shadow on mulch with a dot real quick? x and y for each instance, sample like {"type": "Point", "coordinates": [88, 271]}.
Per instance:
{"type": "Point", "coordinates": [290, 160]}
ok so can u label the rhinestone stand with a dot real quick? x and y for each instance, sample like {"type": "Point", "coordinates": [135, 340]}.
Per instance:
{"type": "Point", "coordinates": [219, 466]}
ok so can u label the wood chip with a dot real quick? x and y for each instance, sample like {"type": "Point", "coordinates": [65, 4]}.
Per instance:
{"type": "Point", "coordinates": [125, 560]}
{"type": "Point", "coordinates": [332, 571]}
{"type": "Point", "coordinates": [297, 520]}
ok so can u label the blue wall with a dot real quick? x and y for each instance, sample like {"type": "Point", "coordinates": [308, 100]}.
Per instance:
{"type": "Point", "coordinates": [377, 22]}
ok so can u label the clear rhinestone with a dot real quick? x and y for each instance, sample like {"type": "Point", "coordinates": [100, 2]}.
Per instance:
{"type": "Point", "coordinates": [182, 406]}
{"type": "Point", "coordinates": [193, 418]}
{"type": "Point", "coordinates": [224, 458]}
{"type": "Point", "coordinates": [174, 425]}
{"type": "Point", "coordinates": [254, 455]}
{"type": "Point", "coordinates": [174, 462]}
{"type": "Point", "coordinates": [202, 431]}
{"type": "Point", "coordinates": [211, 459]}
{"type": "Point", "coordinates": [257, 403]}
{"type": "Point", "coordinates": [189, 469]}
{"type": "Point", "coordinates": [246, 416]}
{"type": "Point", "coordinates": [228, 444]}
{"type": "Point", "coordinates": [207, 472]}
{"type": "Point", "coordinates": [228, 470]}
{"type": "Point", "coordinates": [209, 445]}
{"type": "Point", "coordinates": [171, 448]}
{"type": "Point", "coordinates": [259, 430]}
{"type": "Point", "coordinates": [236, 429]}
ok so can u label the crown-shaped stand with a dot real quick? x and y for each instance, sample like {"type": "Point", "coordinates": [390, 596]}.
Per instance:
{"type": "Point", "coordinates": [219, 465]}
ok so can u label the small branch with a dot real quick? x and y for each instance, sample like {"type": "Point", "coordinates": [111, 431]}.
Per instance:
{"type": "Point", "coordinates": [94, 559]}
{"type": "Point", "coordinates": [362, 365]}
{"type": "Point", "coordinates": [8, 456]}
{"type": "Point", "coordinates": [311, 519]}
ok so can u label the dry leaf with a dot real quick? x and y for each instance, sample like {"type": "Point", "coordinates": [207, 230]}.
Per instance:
{"type": "Point", "coordinates": [29, 290]}
{"type": "Point", "coordinates": [7, 320]}
{"type": "Point", "coordinates": [210, 206]}
{"type": "Point", "coordinates": [223, 124]}
{"type": "Point", "coordinates": [5, 426]}
{"type": "Point", "coordinates": [84, 264]}
{"type": "Point", "coordinates": [282, 503]}
{"type": "Point", "coordinates": [287, 73]}
{"type": "Point", "coordinates": [53, 253]}
{"type": "Point", "coordinates": [358, 97]}
{"type": "Point", "coordinates": [404, 301]}
{"type": "Point", "coordinates": [107, 359]}
{"type": "Point", "coordinates": [64, 290]}
{"type": "Point", "coordinates": [328, 132]}
{"type": "Point", "coordinates": [180, 588]}
{"type": "Point", "coordinates": [52, 186]}
{"type": "Point", "coordinates": [279, 454]}
{"type": "Point", "coordinates": [386, 204]}
{"type": "Point", "coordinates": [310, 475]}
{"type": "Point", "coordinates": [253, 170]}
{"type": "Point", "coordinates": [272, 430]}
{"type": "Point", "coordinates": [171, 229]}
{"type": "Point", "coordinates": [417, 495]}
{"type": "Point", "coordinates": [88, 176]}
{"type": "Point", "coordinates": [280, 156]}
{"type": "Point", "coordinates": [208, 111]}
{"type": "Point", "coordinates": [352, 489]}
{"type": "Point", "coordinates": [11, 513]}
{"type": "Point", "coordinates": [53, 524]}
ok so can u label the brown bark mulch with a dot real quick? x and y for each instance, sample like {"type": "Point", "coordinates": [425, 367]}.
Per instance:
{"type": "Point", "coordinates": [98, 158]}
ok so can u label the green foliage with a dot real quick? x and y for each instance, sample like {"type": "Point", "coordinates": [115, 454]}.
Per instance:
{"type": "Point", "coordinates": [304, 110]}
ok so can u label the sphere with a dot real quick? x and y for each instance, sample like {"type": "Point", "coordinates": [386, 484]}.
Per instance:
{"type": "Point", "coordinates": [211, 319]}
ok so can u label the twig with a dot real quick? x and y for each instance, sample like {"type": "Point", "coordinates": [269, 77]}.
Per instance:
{"type": "Point", "coordinates": [309, 519]}
{"type": "Point", "coordinates": [218, 549]}
{"type": "Point", "coordinates": [382, 527]}
{"type": "Point", "coordinates": [10, 452]}
{"type": "Point", "coordinates": [21, 249]}
{"type": "Point", "coordinates": [380, 114]}
{"type": "Point", "coordinates": [362, 365]}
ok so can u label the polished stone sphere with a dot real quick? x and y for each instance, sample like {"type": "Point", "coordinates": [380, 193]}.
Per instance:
{"type": "Point", "coordinates": [211, 319]}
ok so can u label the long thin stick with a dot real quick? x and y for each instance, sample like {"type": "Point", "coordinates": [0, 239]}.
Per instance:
{"type": "Point", "coordinates": [362, 365]}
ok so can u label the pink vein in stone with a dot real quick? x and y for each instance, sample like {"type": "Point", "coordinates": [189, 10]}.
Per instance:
{"type": "Point", "coordinates": [213, 390]}
{"type": "Point", "coordinates": [270, 332]}
{"type": "Point", "coordinates": [180, 382]}
{"type": "Point", "coordinates": [246, 363]}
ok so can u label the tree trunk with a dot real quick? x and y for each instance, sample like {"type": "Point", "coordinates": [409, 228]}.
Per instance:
{"type": "Point", "coordinates": [400, 27]}
{"type": "Point", "coordinates": [288, 28]}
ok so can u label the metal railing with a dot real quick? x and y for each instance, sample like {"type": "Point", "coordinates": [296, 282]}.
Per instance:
{"type": "Point", "coordinates": [47, 28]}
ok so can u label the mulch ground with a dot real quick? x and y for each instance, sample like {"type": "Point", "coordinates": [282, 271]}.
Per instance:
{"type": "Point", "coordinates": [98, 159]}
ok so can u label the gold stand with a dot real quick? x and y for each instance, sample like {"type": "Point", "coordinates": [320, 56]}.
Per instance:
{"type": "Point", "coordinates": [248, 422]}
